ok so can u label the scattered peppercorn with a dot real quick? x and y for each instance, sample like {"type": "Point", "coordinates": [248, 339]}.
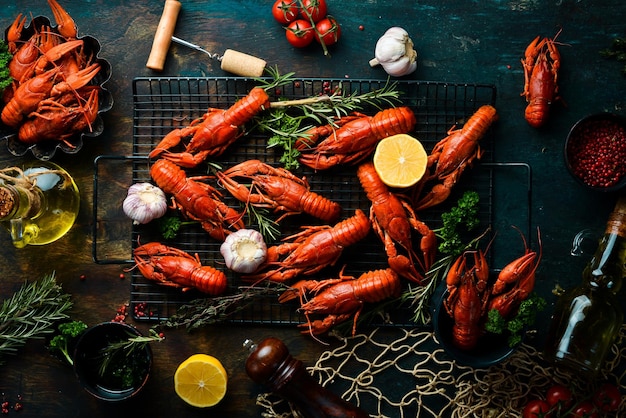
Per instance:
{"type": "Point", "coordinates": [597, 151]}
{"type": "Point", "coordinates": [361, 27]}
{"type": "Point", "coordinates": [82, 277]}
{"type": "Point", "coordinates": [122, 276]}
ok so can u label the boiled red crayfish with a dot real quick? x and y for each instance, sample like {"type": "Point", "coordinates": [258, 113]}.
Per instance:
{"type": "Point", "coordinates": [541, 64]}
{"type": "Point", "coordinates": [213, 132]}
{"type": "Point", "coordinates": [471, 296]}
{"type": "Point", "coordinates": [46, 66]}
{"type": "Point", "coordinates": [451, 156]}
{"type": "Point", "coordinates": [393, 220]}
{"type": "Point", "coordinates": [516, 281]}
{"type": "Point", "coordinates": [59, 120]}
{"type": "Point", "coordinates": [174, 267]}
{"type": "Point", "coordinates": [197, 201]}
{"type": "Point", "coordinates": [312, 249]}
{"type": "Point", "coordinates": [352, 138]}
{"type": "Point", "coordinates": [278, 189]}
{"type": "Point", "coordinates": [341, 298]}
{"type": "Point", "coordinates": [467, 299]}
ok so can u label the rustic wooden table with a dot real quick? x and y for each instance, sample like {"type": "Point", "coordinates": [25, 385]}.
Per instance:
{"type": "Point", "coordinates": [479, 42]}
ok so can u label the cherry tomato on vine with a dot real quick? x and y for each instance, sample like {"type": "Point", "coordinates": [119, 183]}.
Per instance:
{"type": "Point", "coordinates": [300, 33]}
{"type": "Point", "coordinates": [329, 30]}
{"type": "Point", "coordinates": [560, 395]}
{"type": "Point", "coordinates": [584, 409]}
{"type": "Point", "coordinates": [536, 408]}
{"type": "Point", "coordinates": [607, 398]}
{"type": "Point", "coordinates": [316, 8]}
{"type": "Point", "coordinates": [285, 11]}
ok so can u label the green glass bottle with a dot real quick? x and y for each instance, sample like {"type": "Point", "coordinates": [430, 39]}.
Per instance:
{"type": "Point", "coordinates": [587, 318]}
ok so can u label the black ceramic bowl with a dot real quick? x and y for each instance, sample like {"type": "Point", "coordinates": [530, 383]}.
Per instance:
{"type": "Point", "coordinates": [125, 375]}
{"type": "Point", "coordinates": [491, 348]}
{"type": "Point", "coordinates": [45, 150]}
{"type": "Point", "coordinates": [595, 152]}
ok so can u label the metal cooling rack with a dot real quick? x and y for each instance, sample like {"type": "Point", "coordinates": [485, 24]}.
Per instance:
{"type": "Point", "coordinates": [163, 104]}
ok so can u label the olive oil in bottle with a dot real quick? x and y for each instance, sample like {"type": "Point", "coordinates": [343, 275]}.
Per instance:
{"type": "Point", "coordinates": [587, 318]}
{"type": "Point", "coordinates": [38, 204]}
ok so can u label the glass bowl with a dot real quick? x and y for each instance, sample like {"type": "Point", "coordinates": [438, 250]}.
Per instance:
{"type": "Point", "coordinates": [491, 348]}
{"type": "Point", "coordinates": [595, 152]}
{"type": "Point", "coordinates": [45, 150]}
{"type": "Point", "coordinates": [124, 376]}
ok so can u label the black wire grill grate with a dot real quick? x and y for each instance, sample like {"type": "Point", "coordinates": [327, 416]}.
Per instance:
{"type": "Point", "coordinates": [163, 104]}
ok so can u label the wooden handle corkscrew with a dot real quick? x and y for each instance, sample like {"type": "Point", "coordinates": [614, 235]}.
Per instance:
{"type": "Point", "coordinates": [163, 35]}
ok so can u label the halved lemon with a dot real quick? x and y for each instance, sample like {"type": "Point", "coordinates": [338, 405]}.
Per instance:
{"type": "Point", "coordinates": [201, 381]}
{"type": "Point", "coordinates": [400, 160]}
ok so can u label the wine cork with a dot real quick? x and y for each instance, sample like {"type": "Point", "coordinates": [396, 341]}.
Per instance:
{"type": "Point", "coordinates": [242, 64]}
{"type": "Point", "coordinates": [163, 35]}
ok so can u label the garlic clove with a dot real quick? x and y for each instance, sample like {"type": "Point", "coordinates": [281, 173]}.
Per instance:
{"type": "Point", "coordinates": [244, 251]}
{"type": "Point", "coordinates": [144, 202]}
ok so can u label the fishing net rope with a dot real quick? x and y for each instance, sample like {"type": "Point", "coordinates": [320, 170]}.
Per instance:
{"type": "Point", "coordinates": [407, 374]}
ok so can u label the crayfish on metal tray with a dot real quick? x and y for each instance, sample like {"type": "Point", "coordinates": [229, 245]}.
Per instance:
{"type": "Point", "coordinates": [352, 138]}
{"type": "Point", "coordinates": [451, 156]}
{"type": "Point", "coordinates": [471, 296]}
{"type": "Point", "coordinates": [277, 188]}
{"type": "Point", "coordinates": [541, 64]}
{"type": "Point", "coordinates": [339, 299]}
{"type": "Point", "coordinates": [197, 201]}
{"type": "Point", "coordinates": [174, 267]}
{"type": "Point", "coordinates": [393, 219]}
{"type": "Point", "coordinates": [309, 251]}
{"type": "Point", "coordinates": [215, 131]}
{"type": "Point", "coordinates": [49, 71]}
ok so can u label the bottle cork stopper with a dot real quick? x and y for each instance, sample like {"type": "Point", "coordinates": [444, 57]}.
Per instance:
{"type": "Point", "coordinates": [242, 64]}
{"type": "Point", "coordinates": [163, 35]}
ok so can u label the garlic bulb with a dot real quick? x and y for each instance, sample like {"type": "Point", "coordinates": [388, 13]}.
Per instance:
{"type": "Point", "coordinates": [395, 53]}
{"type": "Point", "coordinates": [144, 203]}
{"type": "Point", "coordinates": [244, 250]}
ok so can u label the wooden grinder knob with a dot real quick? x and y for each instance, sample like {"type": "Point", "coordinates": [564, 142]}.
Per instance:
{"type": "Point", "coordinates": [271, 365]}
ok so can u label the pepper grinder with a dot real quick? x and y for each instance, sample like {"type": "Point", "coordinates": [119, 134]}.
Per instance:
{"type": "Point", "coordinates": [271, 365]}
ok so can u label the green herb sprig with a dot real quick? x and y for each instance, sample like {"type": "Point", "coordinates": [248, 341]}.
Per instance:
{"type": "Point", "coordinates": [169, 225]}
{"type": "Point", "coordinates": [68, 331]}
{"type": "Point", "coordinates": [32, 312]}
{"type": "Point", "coordinates": [206, 311]}
{"type": "Point", "coordinates": [126, 348]}
{"type": "Point", "coordinates": [525, 317]}
{"type": "Point", "coordinates": [460, 219]}
{"type": "Point", "coordinates": [5, 58]}
{"type": "Point", "coordinates": [288, 120]}
{"type": "Point", "coordinates": [617, 51]}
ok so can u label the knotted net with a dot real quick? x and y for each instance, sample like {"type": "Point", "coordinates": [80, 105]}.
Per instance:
{"type": "Point", "coordinates": [405, 373]}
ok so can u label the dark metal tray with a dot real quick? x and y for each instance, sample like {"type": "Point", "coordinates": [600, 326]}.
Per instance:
{"type": "Point", "coordinates": [162, 104]}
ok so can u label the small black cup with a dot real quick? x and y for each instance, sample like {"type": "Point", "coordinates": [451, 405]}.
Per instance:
{"type": "Point", "coordinates": [126, 373]}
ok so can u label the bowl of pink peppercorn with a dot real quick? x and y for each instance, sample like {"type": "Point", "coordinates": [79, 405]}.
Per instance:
{"type": "Point", "coordinates": [595, 152]}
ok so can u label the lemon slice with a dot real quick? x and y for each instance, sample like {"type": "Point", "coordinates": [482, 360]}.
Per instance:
{"type": "Point", "coordinates": [400, 160]}
{"type": "Point", "coordinates": [201, 380]}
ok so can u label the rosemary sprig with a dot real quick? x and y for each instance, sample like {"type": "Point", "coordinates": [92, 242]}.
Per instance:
{"type": "Point", "coordinates": [268, 228]}
{"type": "Point", "coordinates": [126, 348]}
{"type": "Point", "coordinates": [288, 120]}
{"type": "Point", "coordinates": [31, 313]}
{"type": "Point", "coordinates": [202, 312]}
{"type": "Point", "coordinates": [419, 296]}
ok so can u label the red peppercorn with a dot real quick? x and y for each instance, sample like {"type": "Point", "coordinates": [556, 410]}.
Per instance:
{"type": "Point", "coordinates": [122, 276]}
{"type": "Point", "coordinates": [596, 152]}
{"type": "Point", "coordinates": [361, 27]}
{"type": "Point", "coordinates": [18, 406]}
{"type": "Point", "coordinates": [82, 277]}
